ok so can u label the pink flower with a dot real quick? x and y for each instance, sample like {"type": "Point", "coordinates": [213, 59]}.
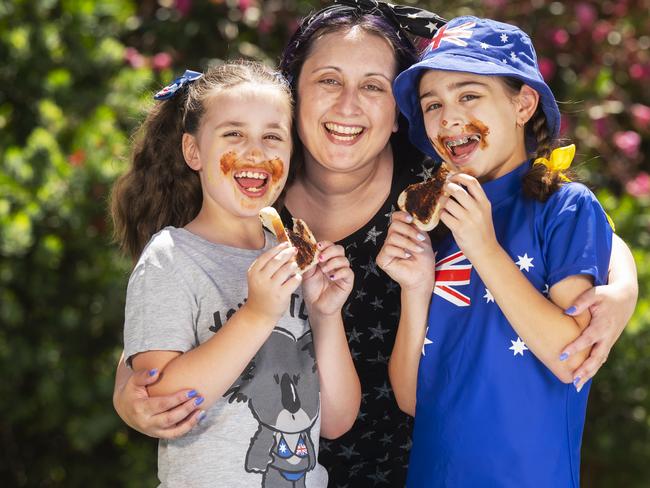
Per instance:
{"type": "Point", "coordinates": [586, 15]}
{"type": "Point", "coordinates": [560, 37]}
{"type": "Point", "coordinates": [639, 186]}
{"type": "Point", "coordinates": [565, 125]}
{"type": "Point", "coordinates": [547, 68]}
{"type": "Point", "coordinates": [245, 4]}
{"type": "Point", "coordinates": [134, 58]}
{"type": "Point", "coordinates": [641, 114]}
{"type": "Point", "coordinates": [184, 6]}
{"type": "Point", "coordinates": [161, 61]}
{"type": "Point", "coordinates": [602, 127]}
{"type": "Point", "coordinates": [628, 142]}
{"type": "Point", "coordinates": [601, 30]}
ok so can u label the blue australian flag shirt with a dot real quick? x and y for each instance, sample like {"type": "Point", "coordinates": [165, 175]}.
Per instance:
{"type": "Point", "coordinates": [489, 413]}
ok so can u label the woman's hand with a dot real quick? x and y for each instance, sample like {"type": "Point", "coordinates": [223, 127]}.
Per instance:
{"type": "Point", "coordinates": [272, 278]}
{"type": "Point", "coordinates": [407, 256]}
{"type": "Point", "coordinates": [164, 417]}
{"type": "Point", "coordinates": [327, 286]}
{"type": "Point", "coordinates": [468, 215]}
{"type": "Point", "coordinates": [609, 316]}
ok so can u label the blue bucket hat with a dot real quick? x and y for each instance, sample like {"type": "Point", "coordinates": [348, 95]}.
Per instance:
{"type": "Point", "coordinates": [479, 46]}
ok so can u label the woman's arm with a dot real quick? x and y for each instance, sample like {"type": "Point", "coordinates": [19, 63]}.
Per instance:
{"type": "Point", "coordinates": [611, 307]}
{"type": "Point", "coordinates": [164, 417]}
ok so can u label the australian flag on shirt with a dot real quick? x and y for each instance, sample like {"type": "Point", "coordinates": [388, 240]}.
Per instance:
{"type": "Point", "coordinates": [489, 413]}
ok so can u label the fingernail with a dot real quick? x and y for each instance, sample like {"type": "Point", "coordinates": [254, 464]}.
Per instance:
{"type": "Point", "coordinates": [320, 257]}
{"type": "Point", "coordinates": [419, 249]}
{"type": "Point", "coordinates": [199, 401]}
{"type": "Point", "coordinates": [421, 237]}
{"type": "Point", "coordinates": [202, 415]}
{"type": "Point", "coordinates": [191, 394]}
{"type": "Point", "coordinates": [407, 255]}
{"type": "Point", "coordinates": [579, 388]}
{"type": "Point", "coordinates": [576, 380]}
{"type": "Point", "coordinates": [153, 371]}
{"type": "Point", "coordinates": [409, 219]}
{"type": "Point", "coordinates": [331, 277]}
{"type": "Point", "coordinates": [570, 310]}
{"type": "Point", "coordinates": [563, 356]}
{"type": "Point", "coordinates": [319, 245]}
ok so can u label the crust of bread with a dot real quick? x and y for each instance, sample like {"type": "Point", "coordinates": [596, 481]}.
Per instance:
{"type": "Point", "coordinates": [272, 221]}
{"type": "Point", "coordinates": [434, 218]}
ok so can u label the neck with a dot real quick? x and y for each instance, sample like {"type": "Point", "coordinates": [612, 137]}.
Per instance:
{"type": "Point", "coordinates": [220, 227]}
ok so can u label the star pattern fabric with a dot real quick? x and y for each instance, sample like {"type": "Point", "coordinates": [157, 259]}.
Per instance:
{"type": "Point", "coordinates": [363, 457]}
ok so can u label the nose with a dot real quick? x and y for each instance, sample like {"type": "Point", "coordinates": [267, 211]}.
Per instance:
{"type": "Point", "coordinates": [253, 154]}
{"type": "Point", "coordinates": [450, 117]}
{"type": "Point", "coordinates": [347, 102]}
{"type": "Point", "coordinates": [290, 399]}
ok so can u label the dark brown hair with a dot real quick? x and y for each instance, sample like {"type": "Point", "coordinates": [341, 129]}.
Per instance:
{"type": "Point", "coordinates": [159, 188]}
{"type": "Point", "coordinates": [539, 182]}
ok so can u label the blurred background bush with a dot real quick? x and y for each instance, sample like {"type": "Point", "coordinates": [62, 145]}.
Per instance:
{"type": "Point", "coordinates": [75, 76]}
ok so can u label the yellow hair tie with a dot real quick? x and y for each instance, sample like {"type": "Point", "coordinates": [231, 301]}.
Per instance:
{"type": "Point", "coordinates": [561, 159]}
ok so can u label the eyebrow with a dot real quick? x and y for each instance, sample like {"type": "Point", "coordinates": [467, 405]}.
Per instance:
{"type": "Point", "coordinates": [454, 86]}
{"type": "Point", "coordinates": [339, 70]}
{"type": "Point", "coordinates": [234, 123]}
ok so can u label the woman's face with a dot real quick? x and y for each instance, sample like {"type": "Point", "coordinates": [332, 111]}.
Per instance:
{"type": "Point", "coordinates": [345, 109]}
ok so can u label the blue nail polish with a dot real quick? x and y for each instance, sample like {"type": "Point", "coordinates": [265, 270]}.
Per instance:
{"type": "Point", "coordinates": [570, 310]}
{"type": "Point", "coordinates": [202, 415]}
{"type": "Point", "coordinates": [564, 356]}
{"type": "Point", "coordinates": [199, 401]}
{"type": "Point", "coordinates": [152, 372]}
{"type": "Point", "coordinates": [191, 394]}
{"type": "Point", "coordinates": [576, 380]}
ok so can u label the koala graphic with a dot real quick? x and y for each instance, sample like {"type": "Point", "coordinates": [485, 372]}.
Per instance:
{"type": "Point", "coordinates": [281, 387]}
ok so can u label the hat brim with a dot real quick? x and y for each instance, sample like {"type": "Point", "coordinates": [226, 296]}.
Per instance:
{"type": "Point", "coordinates": [406, 92]}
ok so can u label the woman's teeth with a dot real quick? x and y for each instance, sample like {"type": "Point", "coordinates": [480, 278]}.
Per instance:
{"type": "Point", "coordinates": [343, 132]}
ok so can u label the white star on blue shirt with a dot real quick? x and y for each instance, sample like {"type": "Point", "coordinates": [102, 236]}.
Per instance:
{"type": "Point", "coordinates": [525, 263]}
{"type": "Point", "coordinates": [504, 38]}
{"type": "Point", "coordinates": [488, 296]}
{"type": "Point", "coordinates": [426, 341]}
{"type": "Point", "coordinates": [518, 347]}
{"type": "Point", "coordinates": [484, 45]}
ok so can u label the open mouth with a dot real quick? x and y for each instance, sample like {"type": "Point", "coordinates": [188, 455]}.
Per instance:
{"type": "Point", "coordinates": [252, 182]}
{"type": "Point", "coordinates": [344, 133]}
{"type": "Point", "coordinates": [463, 145]}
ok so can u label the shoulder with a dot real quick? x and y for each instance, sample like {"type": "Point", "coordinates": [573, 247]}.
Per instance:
{"type": "Point", "coordinates": [571, 197]}
{"type": "Point", "coordinates": [161, 248]}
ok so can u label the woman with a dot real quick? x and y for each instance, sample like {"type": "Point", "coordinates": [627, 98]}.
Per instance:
{"type": "Point", "coordinates": [353, 162]}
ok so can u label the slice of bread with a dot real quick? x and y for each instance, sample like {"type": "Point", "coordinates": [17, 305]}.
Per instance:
{"type": "Point", "coordinates": [423, 201]}
{"type": "Point", "coordinates": [300, 237]}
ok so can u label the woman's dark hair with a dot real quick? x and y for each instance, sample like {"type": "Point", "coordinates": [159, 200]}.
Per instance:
{"type": "Point", "coordinates": [539, 182]}
{"type": "Point", "coordinates": [327, 21]}
{"type": "Point", "coordinates": [159, 188]}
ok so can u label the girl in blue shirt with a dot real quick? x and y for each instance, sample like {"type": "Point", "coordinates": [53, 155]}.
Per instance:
{"type": "Point", "coordinates": [494, 398]}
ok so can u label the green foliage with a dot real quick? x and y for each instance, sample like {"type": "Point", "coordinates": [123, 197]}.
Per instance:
{"type": "Point", "coordinates": [75, 76]}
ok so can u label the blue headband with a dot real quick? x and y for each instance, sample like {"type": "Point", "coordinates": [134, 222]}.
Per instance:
{"type": "Point", "coordinates": [481, 47]}
{"type": "Point", "coordinates": [170, 90]}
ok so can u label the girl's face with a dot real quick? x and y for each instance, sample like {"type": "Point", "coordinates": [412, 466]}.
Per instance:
{"type": "Point", "coordinates": [242, 148]}
{"type": "Point", "coordinates": [474, 123]}
{"type": "Point", "coordinates": [346, 110]}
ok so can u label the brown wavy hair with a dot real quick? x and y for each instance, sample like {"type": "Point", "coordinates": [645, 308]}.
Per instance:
{"type": "Point", "coordinates": [160, 189]}
{"type": "Point", "coordinates": [539, 182]}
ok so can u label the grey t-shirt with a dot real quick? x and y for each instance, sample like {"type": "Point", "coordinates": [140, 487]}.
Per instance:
{"type": "Point", "coordinates": [264, 431]}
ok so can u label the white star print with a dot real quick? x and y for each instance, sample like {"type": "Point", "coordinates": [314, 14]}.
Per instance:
{"type": "Point", "coordinates": [504, 38]}
{"type": "Point", "coordinates": [354, 335]}
{"type": "Point", "coordinates": [431, 26]}
{"type": "Point", "coordinates": [389, 214]}
{"type": "Point", "coordinates": [370, 268]}
{"type": "Point", "coordinates": [412, 16]}
{"type": "Point", "coordinates": [378, 332]}
{"type": "Point", "coordinates": [488, 296]}
{"type": "Point", "coordinates": [484, 45]}
{"type": "Point", "coordinates": [524, 262]}
{"type": "Point", "coordinates": [360, 294]}
{"type": "Point", "coordinates": [426, 172]}
{"type": "Point", "coordinates": [348, 452]}
{"type": "Point", "coordinates": [373, 234]}
{"type": "Point", "coordinates": [513, 56]}
{"type": "Point", "coordinates": [426, 341]}
{"type": "Point", "coordinates": [383, 390]}
{"type": "Point", "coordinates": [377, 303]}
{"type": "Point", "coordinates": [504, 60]}
{"type": "Point", "coordinates": [546, 290]}
{"type": "Point", "coordinates": [518, 347]}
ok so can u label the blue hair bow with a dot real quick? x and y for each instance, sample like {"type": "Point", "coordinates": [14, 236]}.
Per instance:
{"type": "Point", "coordinates": [170, 90]}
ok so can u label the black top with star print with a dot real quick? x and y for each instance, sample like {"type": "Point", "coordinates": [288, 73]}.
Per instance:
{"type": "Point", "coordinates": [375, 452]}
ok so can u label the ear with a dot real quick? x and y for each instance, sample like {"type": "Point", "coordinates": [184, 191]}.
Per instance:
{"type": "Point", "coordinates": [527, 101]}
{"type": "Point", "coordinates": [191, 154]}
